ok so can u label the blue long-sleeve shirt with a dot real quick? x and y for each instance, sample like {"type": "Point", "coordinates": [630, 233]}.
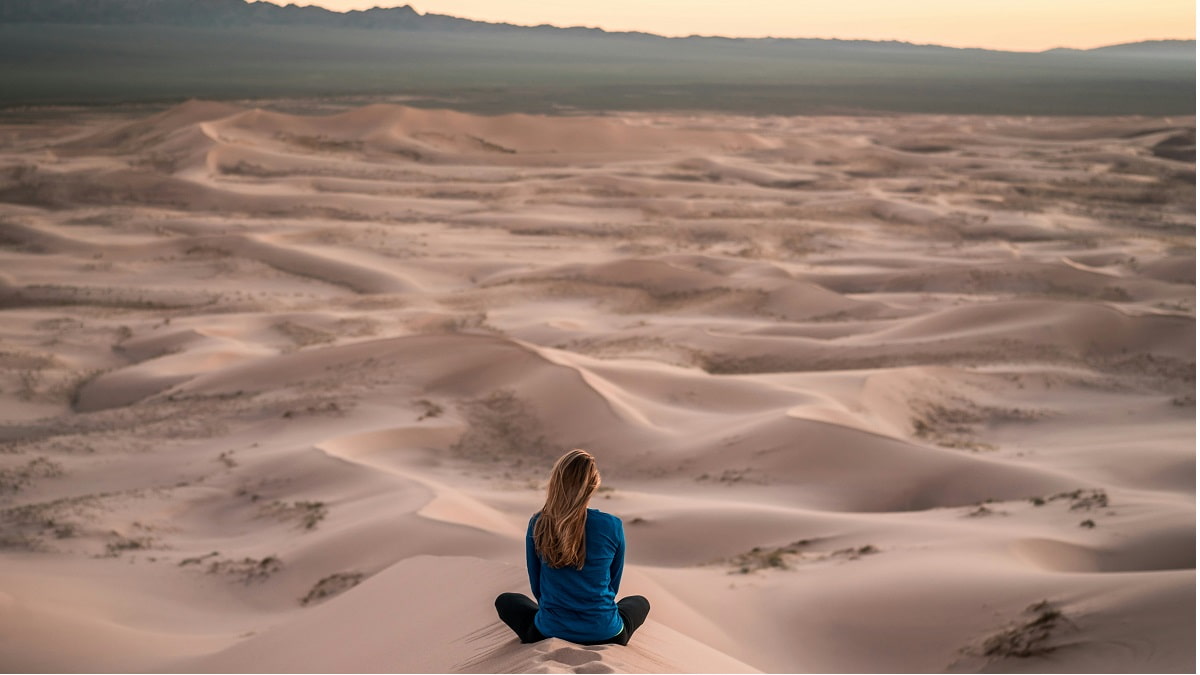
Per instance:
{"type": "Point", "coordinates": [580, 604]}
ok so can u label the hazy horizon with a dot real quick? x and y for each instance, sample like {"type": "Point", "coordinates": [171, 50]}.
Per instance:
{"type": "Point", "coordinates": [1015, 25]}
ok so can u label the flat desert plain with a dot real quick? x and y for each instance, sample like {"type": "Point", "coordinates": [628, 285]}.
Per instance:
{"type": "Point", "coordinates": [281, 387]}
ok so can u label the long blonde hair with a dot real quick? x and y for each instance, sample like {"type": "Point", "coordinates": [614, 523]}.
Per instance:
{"type": "Point", "coordinates": [558, 534]}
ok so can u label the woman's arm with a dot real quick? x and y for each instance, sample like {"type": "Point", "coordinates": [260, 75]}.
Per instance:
{"type": "Point", "coordinates": [532, 562]}
{"type": "Point", "coordinates": [618, 562]}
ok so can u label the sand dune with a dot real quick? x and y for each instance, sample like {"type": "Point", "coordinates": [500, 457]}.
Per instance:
{"type": "Point", "coordinates": [871, 394]}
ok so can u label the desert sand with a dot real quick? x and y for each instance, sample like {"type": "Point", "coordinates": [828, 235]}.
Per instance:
{"type": "Point", "coordinates": [281, 387]}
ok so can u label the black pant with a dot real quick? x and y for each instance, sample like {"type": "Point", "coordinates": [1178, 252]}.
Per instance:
{"type": "Point", "coordinates": [518, 611]}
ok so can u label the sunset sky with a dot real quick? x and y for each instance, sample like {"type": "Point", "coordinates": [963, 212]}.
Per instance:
{"type": "Point", "coordinates": [1019, 25]}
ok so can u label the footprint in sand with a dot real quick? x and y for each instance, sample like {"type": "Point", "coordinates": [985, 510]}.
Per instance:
{"type": "Point", "coordinates": [582, 660]}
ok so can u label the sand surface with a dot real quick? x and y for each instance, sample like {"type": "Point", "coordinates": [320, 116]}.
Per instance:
{"type": "Point", "coordinates": [901, 393]}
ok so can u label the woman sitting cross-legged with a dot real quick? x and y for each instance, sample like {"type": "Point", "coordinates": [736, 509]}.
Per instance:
{"type": "Point", "coordinates": [575, 556]}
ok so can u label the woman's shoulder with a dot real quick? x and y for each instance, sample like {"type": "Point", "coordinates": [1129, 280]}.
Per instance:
{"type": "Point", "coordinates": [603, 518]}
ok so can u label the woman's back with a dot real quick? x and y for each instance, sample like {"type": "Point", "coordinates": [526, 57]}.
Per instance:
{"type": "Point", "coordinates": [580, 604]}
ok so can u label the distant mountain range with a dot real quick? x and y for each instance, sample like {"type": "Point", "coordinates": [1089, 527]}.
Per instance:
{"type": "Point", "coordinates": [1185, 49]}
{"type": "Point", "coordinates": [198, 13]}
{"type": "Point", "coordinates": [94, 51]}
{"type": "Point", "coordinates": [222, 13]}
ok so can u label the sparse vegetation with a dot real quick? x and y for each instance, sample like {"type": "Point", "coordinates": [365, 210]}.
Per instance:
{"type": "Point", "coordinates": [784, 557]}
{"type": "Point", "coordinates": [25, 526]}
{"type": "Point", "coordinates": [247, 570]}
{"type": "Point", "coordinates": [332, 585]}
{"type": "Point", "coordinates": [429, 409]}
{"type": "Point", "coordinates": [1078, 500]}
{"type": "Point", "coordinates": [20, 541]}
{"type": "Point", "coordinates": [14, 479]}
{"type": "Point", "coordinates": [1030, 637]}
{"type": "Point", "coordinates": [320, 142]}
{"type": "Point", "coordinates": [949, 427]}
{"type": "Point", "coordinates": [758, 558]}
{"type": "Point", "coordinates": [503, 428]}
{"type": "Point", "coordinates": [734, 476]}
{"type": "Point", "coordinates": [245, 491]}
{"type": "Point", "coordinates": [304, 336]}
{"type": "Point", "coordinates": [855, 553]}
{"type": "Point", "coordinates": [28, 382]}
{"type": "Point", "coordinates": [981, 511]}
{"type": "Point", "coordinates": [308, 513]}
{"type": "Point", "coordinates": [1082, 499]}
{"type": "Point", "coordinates": [198, 559]}
{"type": "Point", "coordinates": [121, 544]}
{"type": "Point", "coordinates": [1090, 499]}
{"type": "Point", "coordinates": [466, 323]}
{"type": "Point", "coordinates": [325, 408]}
{"type": "Point", "coordinates": [1115, 294]}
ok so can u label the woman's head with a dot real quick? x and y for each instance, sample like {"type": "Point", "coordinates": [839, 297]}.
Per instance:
{"type": "Point", "coordinates": [559, 532]}
{"type": "Point", "coordinates": [573, 479]}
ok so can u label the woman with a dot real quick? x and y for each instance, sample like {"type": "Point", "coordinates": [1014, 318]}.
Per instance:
{"type": "Point", "coordinates": [575, 556]}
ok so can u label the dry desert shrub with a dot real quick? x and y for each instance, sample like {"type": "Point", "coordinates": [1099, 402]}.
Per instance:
{"type": "Point", "coordinates": [28, 370]}
{"type": "Point", "coordinates": [468, 323]}
{"type": "Point", "coordinates": [15, 478]}
{"type": "Point", "coordinates": [247, 570]}
{"type": "Point", "coordinates": [197, 559]}
{"type": "Point", "coordinates": [982, 511]}
{"type": "Point", "coordinates": [332, 585]}
{"type": "Point", "coordinates": [308, 513]}
{"type": "Point", "coordinates": [316, 406]}
{"type": "Point", "coordinates": [121, 544]}
{"type": "Point", "coordinates": [24, 527]}
{"type": "Point", "coordinates": [599, 230]}
{"type": "Point", "coordinates": [1078, 499]}
{"type": "Point", "coordinates": [302, 335]}
{"type": "Point", "coordinates": [249, 169]}
{"type": "Point", "coordinates": [28, 381]}
{"type": "Point", "coordinates": [735, 476]}
{"type": "Point", "coordinates": [759, 558]}
{"type": "Point", "coordinates": [954, 424]}
{"type": "Point", "coordinates": [1028, 638]}
{"type": "Point", "coordinates": [319, 143]}
{"type": "Point", "coordinates": [784, 557]}
{"type": "Point", "coordinates": [429, 409]}
{"type": "Point", "coordinates": [1085, 499]}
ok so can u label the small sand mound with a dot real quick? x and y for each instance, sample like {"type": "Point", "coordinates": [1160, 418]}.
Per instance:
{"type": "Point", "coordinates": [143, 134]}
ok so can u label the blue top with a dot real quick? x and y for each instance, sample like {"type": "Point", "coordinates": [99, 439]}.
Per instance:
{"type": "Point", "coordinates": [580, 605]}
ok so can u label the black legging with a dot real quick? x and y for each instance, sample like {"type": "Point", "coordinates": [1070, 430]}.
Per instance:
{"type": "Point", "coordinates": [518, 610]}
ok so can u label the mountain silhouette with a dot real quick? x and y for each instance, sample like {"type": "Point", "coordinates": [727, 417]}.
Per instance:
{"type": "Point", "coordinates": [107, 51]}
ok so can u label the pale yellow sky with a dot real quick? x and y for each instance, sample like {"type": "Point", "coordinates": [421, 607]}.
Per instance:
{"type": "Point", "coordinates": [1020, 25]}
